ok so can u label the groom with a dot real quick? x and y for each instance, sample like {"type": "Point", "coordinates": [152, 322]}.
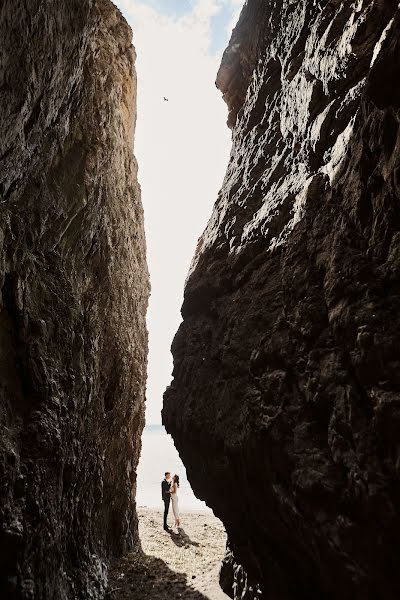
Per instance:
{"type": "Point", "coordinates": [165, 485]}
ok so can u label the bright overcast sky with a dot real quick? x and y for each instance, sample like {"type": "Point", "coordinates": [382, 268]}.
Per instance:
{"type": "Point", "coordinates": [182, 146]}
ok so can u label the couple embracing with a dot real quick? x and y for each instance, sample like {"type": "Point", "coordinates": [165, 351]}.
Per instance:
{"type": "Point", "coordinates": [169, 492]}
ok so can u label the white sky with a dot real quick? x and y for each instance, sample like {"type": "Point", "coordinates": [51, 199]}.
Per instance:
{"type": "Point", "coordinates": [182, 147]}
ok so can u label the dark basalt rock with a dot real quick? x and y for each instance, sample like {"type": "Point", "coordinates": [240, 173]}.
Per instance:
{"type": "Point", "coordinates": [74, 289]}
{"type": "Point", "coordinates": [285, 402]}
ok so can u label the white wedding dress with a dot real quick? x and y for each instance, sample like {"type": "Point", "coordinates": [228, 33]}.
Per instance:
{"type": "Point", "coordinates": [174, 500]}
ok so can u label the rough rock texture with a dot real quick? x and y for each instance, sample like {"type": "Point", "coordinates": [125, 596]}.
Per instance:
{"type": "Point", "coordinates": [74, 289]}
{"type": "Point", "coordinates": [285, 402]}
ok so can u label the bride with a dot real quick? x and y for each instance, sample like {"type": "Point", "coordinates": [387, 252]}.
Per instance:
{"type": "Point", "coordinates": [174, 498]}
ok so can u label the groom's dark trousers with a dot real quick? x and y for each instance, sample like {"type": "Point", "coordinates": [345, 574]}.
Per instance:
{"type": "Point", "coordinates": [166, 509]}
{"type": "Point", "coordinates": [166, 498]}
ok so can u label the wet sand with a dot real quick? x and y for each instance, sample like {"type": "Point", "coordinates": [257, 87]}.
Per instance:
{"type": "Point", "coordinates": [182, 564]}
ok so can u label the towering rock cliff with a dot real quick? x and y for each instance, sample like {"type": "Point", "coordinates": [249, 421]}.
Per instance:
{"type": "Point", "coordinates": [74, 289]}
{"type": "Point", "coordinates": [285, 402]}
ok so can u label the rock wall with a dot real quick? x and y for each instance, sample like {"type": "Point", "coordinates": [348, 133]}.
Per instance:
{"type": "Point", "coordinates": [74, 290]}
{"type": "Point", "coordinates": [285, 402]}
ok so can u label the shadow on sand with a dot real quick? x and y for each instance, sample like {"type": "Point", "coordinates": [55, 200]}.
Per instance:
{"type": "Point", "coordinates": [182, 539]}
{"type": "Point", "coordinates": [142, 577]}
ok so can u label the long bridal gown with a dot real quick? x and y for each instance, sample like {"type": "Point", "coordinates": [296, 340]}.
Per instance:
{"type": "Point", "coordinates": [174, 500]}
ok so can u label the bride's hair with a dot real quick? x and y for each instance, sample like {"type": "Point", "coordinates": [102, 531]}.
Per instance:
{"type": "Point", "coordinates": [176, 479]}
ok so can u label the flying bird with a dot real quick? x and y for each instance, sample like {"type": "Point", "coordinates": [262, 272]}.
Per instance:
{"type": "Point", "coordinates": [165, 99]}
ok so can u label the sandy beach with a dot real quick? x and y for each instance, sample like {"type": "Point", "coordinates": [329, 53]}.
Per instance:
{"type": "Point", "coordinates": [182, 564]}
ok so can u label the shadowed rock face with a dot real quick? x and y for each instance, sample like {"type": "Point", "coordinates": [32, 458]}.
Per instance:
{"type": "Point", "coordinates": [74, 289]}
{"type": "Point", "coordinates": [285, 401]}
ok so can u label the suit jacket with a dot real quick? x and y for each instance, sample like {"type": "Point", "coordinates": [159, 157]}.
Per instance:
{"type": "Point", "coordinates": [165, 489]}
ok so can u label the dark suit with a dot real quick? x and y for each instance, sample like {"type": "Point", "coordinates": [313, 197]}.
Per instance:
{"type": "Point", "coordinates": [165, 485]}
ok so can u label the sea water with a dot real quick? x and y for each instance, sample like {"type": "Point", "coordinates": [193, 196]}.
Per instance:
{"type": "Point", "coordinates": [158, 456]}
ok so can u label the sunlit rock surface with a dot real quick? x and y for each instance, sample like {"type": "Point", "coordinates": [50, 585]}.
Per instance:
{"type": "Point", "coordinates": [285, 401]}
{"type": "Point", "coordinates": [74, 290]}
